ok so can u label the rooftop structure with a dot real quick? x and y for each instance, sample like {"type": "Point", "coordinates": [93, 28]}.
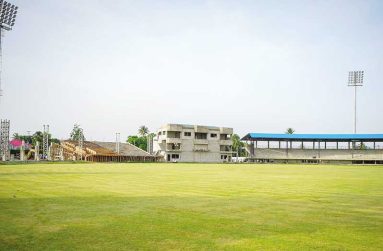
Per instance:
{"type": "Point", "coordinates": [314, 137]}
{"type": "Point", "coordinates": [345, 148]}
{"type": "Point", "coordinates": [98, 151]}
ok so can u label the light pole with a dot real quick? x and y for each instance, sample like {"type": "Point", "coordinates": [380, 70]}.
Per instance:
{"type": "Point", "coordinates": [7, 21]}
{"type": "Point", "coordinates": [355, 79]}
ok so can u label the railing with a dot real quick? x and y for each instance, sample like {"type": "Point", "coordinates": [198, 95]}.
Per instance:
{"type": "Point", "coordinates": [173, 140]}
{"type": "Point", "coordinates": [201, 142]}
{"type": "Point", "coordinates": [228, 142]}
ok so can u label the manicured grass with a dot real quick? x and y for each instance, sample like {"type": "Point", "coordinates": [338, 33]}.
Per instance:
{"type": "Point", "coordinates": [190, 207]}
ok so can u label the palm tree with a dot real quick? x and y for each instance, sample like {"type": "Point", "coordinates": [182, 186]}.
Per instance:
{"type": "Point", "coordinates": [143, 131]}
{"type": "Point", "coordinates": [236, 143]}
{"type": "Point", "coordinates": [290, 130]}
{"type": "Point", "coordinates": [16, 136]}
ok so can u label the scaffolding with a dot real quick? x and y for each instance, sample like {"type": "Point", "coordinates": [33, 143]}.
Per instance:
{"type": "Point", "coordinates": [46, 142]}
{"type": "Point", "coordinates": [4, 140]}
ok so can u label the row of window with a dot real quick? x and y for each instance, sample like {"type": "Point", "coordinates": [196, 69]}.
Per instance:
{"type": "Point", "coordinates": [188, 134]}
{"type": "Point", "coordinates": [212, 135]}
{"type": "Point", "coordinates": [177, 156]}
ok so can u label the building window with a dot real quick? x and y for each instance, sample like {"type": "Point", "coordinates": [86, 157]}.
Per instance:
{"type": "Point", "coordinates": [223, 156]}
{"type": "Point", "coordinates": [199, 135]}
{"type": "Point", "coordinates": [225, 136]}
{"type": "Point", "coordinates": [159, 133]}
{"type": "Point", "coordinates": [213, 135]}
{"type": "Point", "coordinates": [174, 135]}
{"type": "Point", "coordinates": [225, 148]}
{"type": "Point", "coordinates": [175, 156]}
{"type": "Point", "coordinates": [187, 134]}
{"type": "Point", "coordinates": [164, 133]}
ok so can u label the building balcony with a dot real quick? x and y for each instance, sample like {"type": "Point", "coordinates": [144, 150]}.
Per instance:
{"type": "Point", "coordinates": [226, 142]}
{"type": "Point", "coordinates": [173, 140]}
{"type": "Point", "coordinates": [201, 142]}
{"type": "Point", "coordinates": [200, 149]}
{"type": "Point", "coordinates": [174, 150]}
{"type": "Point", "coordinates": [227, 152]}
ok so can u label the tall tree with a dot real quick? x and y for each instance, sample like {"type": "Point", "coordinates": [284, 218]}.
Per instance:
{"type": "Point", "coordinates": [76, 133]}
{"type": "Point", "coordinates": [36, 137]}
{"type": "Point", "coordinates": [143, 131]}
{"type": "Point", "coordinates": [238, 145]}
{"type": "Point", "coordinates": [140, 142]}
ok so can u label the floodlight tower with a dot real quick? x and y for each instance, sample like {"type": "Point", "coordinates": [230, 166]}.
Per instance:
{"type": "Point", "coordinates": [355, 79]}
{"type": "Point", "coordinates": [7, 21]}
{"type": "Point", "coordinates": [46, 142]}
{"type": "Point", "coordinates": [81, 142]}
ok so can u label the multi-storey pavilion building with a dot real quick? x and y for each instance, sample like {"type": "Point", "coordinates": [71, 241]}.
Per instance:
{"type": "Point", "coordinates": [193, 143]}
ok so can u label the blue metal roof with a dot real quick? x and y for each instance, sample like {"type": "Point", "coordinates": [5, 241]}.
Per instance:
{"type": "Point", "coordinates": [313, 137]}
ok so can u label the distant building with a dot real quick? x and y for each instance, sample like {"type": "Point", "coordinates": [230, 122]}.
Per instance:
{"type": "Point", "coordinates": [193, 143]}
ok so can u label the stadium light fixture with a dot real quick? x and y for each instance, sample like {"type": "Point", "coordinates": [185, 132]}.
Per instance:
{"type": "Point", "coordinates": [355, 79]}
{"type": "Point", "coordinates": [8, 14]}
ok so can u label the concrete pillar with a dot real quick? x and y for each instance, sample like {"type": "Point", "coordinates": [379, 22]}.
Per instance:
{"type": "Point", "coordinates": [268, 144]}
{"type": "Point", "coordinates": [337, 145]}
{"type": "Point", "coordinates": [325, 145]}
{"type": "Point", "coordinates": [22, 153]}
{"type": "Point", "coordinates": [252, 149]}
{"type": "Point", "coordinates": [313, 145]}
{"type": "Point", "coordinates": [279, 144]}
{"type": "Point", "coordinates": [37, 150]}
{"type": "Point", "coordinates": [374, 145]}
{"type": "Point", "coordinates": [302, 145]}
{"type": "Point", "coordinates": [349, 145]}
{"type": "Point", "coordinates": [61, 153]}
{"type": "Point", "coordinates": [256, 144]}
{"type": "Point", "coordinates": [49, 157]}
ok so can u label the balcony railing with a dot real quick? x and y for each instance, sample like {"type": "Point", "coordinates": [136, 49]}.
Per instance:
{"type": "Point", "coordinates": [226, 142]}
{"type": "Point", "coordinates": [201, 142]}
{"type": "Point", "coordinates": [173, 140]}
{"type": "Point", "coordinates": [174, 150]}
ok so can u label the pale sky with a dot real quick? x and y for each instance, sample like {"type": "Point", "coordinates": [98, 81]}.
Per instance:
{"type": "Point", "coordinates": [256, 66]}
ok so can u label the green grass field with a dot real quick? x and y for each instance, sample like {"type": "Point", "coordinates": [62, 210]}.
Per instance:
{"type": "Point", "coordinates": [190, 207]}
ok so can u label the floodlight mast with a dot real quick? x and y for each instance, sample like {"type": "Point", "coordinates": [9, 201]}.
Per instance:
{"type": "Point", "coordinates": [355, 79]}
{"type": "Point", "coordinates": [8, 13]}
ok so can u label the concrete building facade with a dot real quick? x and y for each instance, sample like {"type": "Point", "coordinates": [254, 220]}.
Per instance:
{"type": "Point", "coordinates": [193, 143]}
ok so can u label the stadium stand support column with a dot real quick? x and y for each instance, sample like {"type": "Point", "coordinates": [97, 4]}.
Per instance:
{"type": "Point", "coordinates": [313, 145]}
{"type": "Point", "coordinates": [374, 145]}
{"type": "Point", "coordinates": [256, 144]}
{"type": "Point", "coordinates": [279, 144]}
{"type": "Point", "coordinates": [268, 144]}
{"type": "Point", "coordinates": [325, 145]}
{"type": "Point", "coordinates": [337, 145]}
{"type": "Point", "coordinates": [348, 145]}
{"type": "Point", "coordinates": [302, 145]}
